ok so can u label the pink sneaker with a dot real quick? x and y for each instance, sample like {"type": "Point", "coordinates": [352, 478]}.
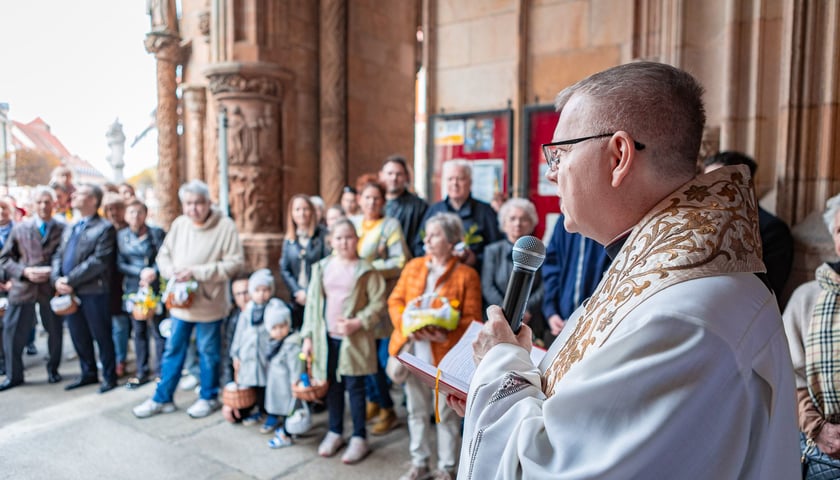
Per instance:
{"type": "Point", "coordinates": [356, 450]}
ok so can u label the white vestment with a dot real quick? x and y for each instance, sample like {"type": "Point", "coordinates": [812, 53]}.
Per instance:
{"type": "Point", "coordinates": [677, 368]}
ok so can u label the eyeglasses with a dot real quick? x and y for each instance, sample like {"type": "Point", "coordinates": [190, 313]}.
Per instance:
{"type": "Point", "coordinates": [553, 152]}
{"type": "Point", "coordinates": [240, 294]}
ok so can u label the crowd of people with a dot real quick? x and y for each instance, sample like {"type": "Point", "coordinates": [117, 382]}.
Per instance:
{"type": "Point", "coordinates": [670, 318]}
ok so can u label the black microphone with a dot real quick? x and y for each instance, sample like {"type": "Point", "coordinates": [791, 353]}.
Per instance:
{"type": "Point", "coordinates": [528, 256]}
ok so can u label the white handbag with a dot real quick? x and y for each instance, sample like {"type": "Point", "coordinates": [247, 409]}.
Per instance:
{"type": "Point", "coordinates": [300, 421]}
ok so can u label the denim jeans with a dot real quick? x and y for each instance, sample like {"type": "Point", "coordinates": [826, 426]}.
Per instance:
{"type": "Point", "coordinates": [208, 342]}
{"type": "Point", "coordinates": [121, 327]}
{"type": "Point", "coordinates": [355, 388]}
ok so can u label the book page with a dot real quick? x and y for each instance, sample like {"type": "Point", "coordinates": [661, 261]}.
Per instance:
{"type": "Point", "coordinates": [457, 366]}
{"type": "Point", "coordinates": [458, 361]}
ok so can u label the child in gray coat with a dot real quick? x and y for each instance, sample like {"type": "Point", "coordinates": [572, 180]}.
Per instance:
{"type": "Point", "coordinates": [250, 346]}
{"type": "Point", "coordinates": [284, 368]}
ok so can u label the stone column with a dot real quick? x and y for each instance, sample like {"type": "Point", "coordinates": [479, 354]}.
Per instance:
{"type": "Point", "coordinates": [252, 93]}
{"type": "Point", "coordinates": [333, 61]}
{"type": "Point", "coordinates": [163, 41]}
{"type": "Point", "coordinates": [195, 106]}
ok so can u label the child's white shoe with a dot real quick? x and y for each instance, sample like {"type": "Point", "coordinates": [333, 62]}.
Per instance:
{"type": "Point", "coordinates": [331, 443]}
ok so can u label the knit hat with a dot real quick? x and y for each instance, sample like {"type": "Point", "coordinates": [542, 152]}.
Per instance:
{"type": "Point", "coordinates": [276, 313]}
{"type": "Point", "coordinates": [261, 278]}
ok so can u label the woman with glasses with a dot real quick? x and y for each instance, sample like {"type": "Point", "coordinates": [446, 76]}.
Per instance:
{"type": "Point", "coordinates": [381, 242]}
{"type": "Point", "coordinates": [304, 245]}
{"type": "Point", "coordinates": [811, 323]}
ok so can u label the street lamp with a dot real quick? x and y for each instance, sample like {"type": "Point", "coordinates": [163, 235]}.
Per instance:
{"type": "Point", "coordinates": [4, 142]}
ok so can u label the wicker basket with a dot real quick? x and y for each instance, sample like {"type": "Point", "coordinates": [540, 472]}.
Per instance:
{"type": "Point", "coordinates": [313, 393]}
{"type": "Point", "coordinates": [64, 304]}
{"type": "Point", "coordinates": [171, 303]}
{"type": "Point", "coordinates": [238, 397]}
{"type": "Point", "coordinates": [141, 313]}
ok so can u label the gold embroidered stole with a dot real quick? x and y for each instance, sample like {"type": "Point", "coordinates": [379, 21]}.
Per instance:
{"type": "Point", "coordinates": [707, 227]}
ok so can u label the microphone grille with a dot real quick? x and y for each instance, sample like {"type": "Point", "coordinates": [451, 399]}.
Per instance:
{"type": "Point", "coordinates": [528, 253]}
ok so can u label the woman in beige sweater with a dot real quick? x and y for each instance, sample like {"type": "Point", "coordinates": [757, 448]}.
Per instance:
{"type": "Point", "coordinates": [201, 246]}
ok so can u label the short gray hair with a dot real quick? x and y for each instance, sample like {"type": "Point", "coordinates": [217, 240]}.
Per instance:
{"type": "Point", "coordinates": [451, 225]}
{"type": "Point", "coordinates": [832, 206]}
{"type": "Point", "coordinates": [659, 105]}
{"type": "Point", "coordinates": [458, 163]}
{"type": "Point", "coordinates": [41, 190]}
{"type": "Point", "coordinates": [194, 187]}
{"type": "Point", "coordinates": [521, 203]}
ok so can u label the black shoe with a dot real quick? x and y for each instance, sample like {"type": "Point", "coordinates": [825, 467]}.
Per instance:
{"type": "Point", "coordinates": [80, 382]}
{"type": "Point", "coordinates": [7, 384]}
{"type": "Point", "coordinates": [107, 386]}
{"type": "Point", "coordinates": [31, 349]}
{"type": "Point", "coordinates": [136, 382]}
{"type": "Point", "coordinates": [53, 377]}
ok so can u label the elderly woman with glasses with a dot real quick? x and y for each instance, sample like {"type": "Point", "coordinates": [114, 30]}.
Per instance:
{"type": "Point", "coordinates": [517, 218]}
{"type": "Point", "coordinates": [812, 325]}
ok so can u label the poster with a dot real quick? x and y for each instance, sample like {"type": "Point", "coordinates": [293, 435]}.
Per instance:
{"type": "Point", "coordinates": [487, 178]}
{"type": "Point", "coordinates": [449, 132]}
{"type": "Point", "coordinates": [479, 135]}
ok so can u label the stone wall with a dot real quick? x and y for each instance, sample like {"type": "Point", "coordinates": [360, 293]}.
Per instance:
{"type": "Point", "coordinates": [381, 63]}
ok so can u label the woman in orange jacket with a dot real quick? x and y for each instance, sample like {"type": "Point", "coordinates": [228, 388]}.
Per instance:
{"type": "Point", "coordinates": [437, 273]}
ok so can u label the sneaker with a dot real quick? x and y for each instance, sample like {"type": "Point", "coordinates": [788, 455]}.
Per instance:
{"type": "Point", "coordinates": [188, 382]}
{"type": "Point", "coordinates": [416, 473]}
{"type": "Point", "coordinates": [252, 419]}
{"type": "Point", "coordinates": [442, 475]}
{"type": "Point", "coordinates": [385, 422]}
{"type": "Point", "coordinates": [201, 408]}
{"type": "Point", "coordinates": [151, 407]}
{"type": "Point", "coordinates": [372, 410]}
{"type": "Point", "coordinates": [357, 449]}
{"type": "Point", "coordinates": [280, 440]}
{"type": "Point", "coordinates": [331, 443]}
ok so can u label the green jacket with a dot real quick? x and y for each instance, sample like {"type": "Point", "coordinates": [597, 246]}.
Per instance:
{"type": "Point", "coordinates": [366, 302]}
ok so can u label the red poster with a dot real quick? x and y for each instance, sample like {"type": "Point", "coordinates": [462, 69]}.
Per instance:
{"type": "Point", "coordinates": [540, 122]}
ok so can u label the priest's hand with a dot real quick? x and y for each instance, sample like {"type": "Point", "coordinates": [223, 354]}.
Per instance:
{"type": "Point", "coordinates": [496, 331]}
{"type": "Point", "coordinates": [829, 439]}
{"type": "Point", "coordinates": [457, 405]}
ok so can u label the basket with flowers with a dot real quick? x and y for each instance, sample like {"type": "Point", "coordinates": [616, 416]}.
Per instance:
{"type": "Point", "coordinates": [179, 294]}
{"type": "Point", "coordinates": [144, 304]}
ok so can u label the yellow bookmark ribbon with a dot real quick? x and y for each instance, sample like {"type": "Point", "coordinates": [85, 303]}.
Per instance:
{"type": "Point", "coordinates": [437, 396]}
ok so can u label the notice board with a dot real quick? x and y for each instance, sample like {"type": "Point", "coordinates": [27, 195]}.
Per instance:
{"type": "Point", "coordinates": [484, 139]}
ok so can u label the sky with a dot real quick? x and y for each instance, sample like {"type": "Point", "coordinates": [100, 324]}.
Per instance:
{"type": "Point", "coordinates": [79, 65]}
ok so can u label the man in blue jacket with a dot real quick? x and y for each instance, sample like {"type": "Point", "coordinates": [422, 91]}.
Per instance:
{"type": "Point", "coordinates": [573, 267]}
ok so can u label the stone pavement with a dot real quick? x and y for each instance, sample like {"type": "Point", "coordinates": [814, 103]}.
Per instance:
{"type": "Point", "coordinates": [46, 432]}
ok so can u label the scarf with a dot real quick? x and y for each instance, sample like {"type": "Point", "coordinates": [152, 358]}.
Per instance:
{"type": "Point", "coordinates": [257, 314]}
{"type": "Point", "coordinates": [274, 348]}
{"type": "Point", "coordinates": [707, 227]}
{"type": "Point", "coordinates": [822, 346]}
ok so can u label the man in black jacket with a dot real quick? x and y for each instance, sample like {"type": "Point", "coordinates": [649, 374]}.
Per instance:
{"type": "Point", "coordinates": [403, 205]}
{"type": "Point", "coordinates": [83, 266]}
{"type": "Point", "coordinates": [25, 261]}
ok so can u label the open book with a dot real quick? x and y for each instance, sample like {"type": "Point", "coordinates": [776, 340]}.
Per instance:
{"type": "Point", "coordinates": [456, 367]}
